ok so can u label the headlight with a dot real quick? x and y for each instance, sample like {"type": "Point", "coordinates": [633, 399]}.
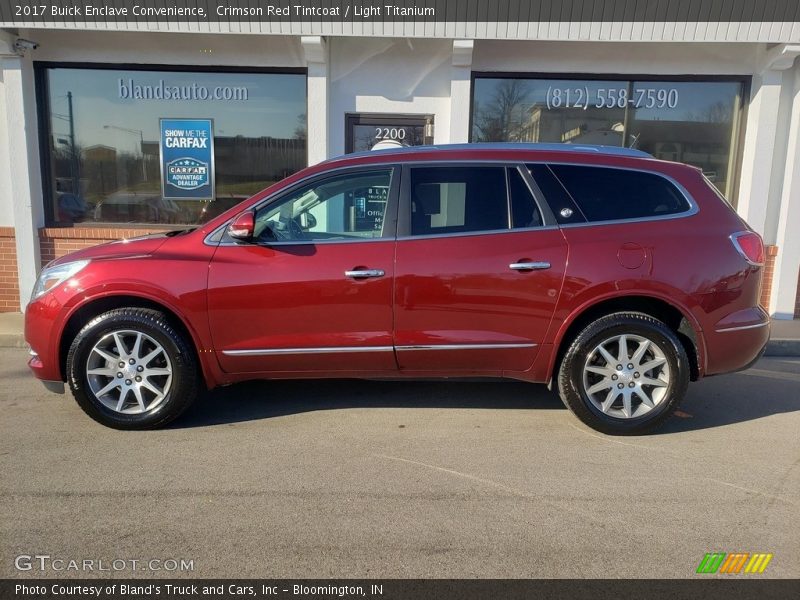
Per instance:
{"type": "Point", "coordinates": [53, 276]}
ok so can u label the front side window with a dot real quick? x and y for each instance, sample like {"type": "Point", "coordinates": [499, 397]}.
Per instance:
{"type": "Point", "coordinates": [103, 140]}
{"type": "Point", "coordinates": [458, 200]}
{"type": "Point", "coordinates": [339, 208]}
{"type": "Point", "coordinates": [608, 194]}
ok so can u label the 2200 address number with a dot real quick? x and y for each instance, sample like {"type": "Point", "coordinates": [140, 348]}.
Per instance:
{"type": "Point", "coordinates": [578, 97]}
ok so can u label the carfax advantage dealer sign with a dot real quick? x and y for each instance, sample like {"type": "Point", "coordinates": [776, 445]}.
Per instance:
{"type": "Point", "coordinates": [187, 159]}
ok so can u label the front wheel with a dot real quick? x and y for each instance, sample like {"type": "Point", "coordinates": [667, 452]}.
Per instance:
{"type": "Point", "coordinates": [130, 368]}
{"type": "Point", "coordinates": [626, 373]}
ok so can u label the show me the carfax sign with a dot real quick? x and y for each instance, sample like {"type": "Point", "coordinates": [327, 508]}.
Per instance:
{"type": "Point", "coordinates": [187, 159]}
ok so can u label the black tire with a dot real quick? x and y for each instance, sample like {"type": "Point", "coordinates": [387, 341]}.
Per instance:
{"type": "Point", "coordinates": [185, 373]}
{"type": "Point", "coordinates": [571, 373]}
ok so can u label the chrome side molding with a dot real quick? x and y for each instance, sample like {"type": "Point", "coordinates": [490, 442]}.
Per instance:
{"type": "Point", "coordinates": [351, 349]}
{"type": "Point", "coordinates": [326, 350]}
{"type": "Point", "coordinates": [463, 347]}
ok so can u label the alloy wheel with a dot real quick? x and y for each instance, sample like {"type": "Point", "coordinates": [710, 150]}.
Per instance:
{"type": "Point", "coordinates": [129, 372]}
{"type": "Point", "coordinates": [626, 376]}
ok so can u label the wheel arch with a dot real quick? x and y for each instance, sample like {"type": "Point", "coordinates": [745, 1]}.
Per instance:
{"type": "Point", "coordinates": [675, 317]}
{"type": "Point", "coordinates": [99, 305]}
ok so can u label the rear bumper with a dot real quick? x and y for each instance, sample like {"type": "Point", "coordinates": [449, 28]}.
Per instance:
{"type": "Point", "coordinates": [736, 342]}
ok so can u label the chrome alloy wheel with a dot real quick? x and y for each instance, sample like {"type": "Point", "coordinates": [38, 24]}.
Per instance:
{"type": "Point", "coordinates": [626, 376]}
{"type": "Point", "coordinates": [129, 372]}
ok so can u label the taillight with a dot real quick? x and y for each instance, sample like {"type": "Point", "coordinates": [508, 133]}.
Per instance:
{"type": "Point", "coordinates": [750, 246]}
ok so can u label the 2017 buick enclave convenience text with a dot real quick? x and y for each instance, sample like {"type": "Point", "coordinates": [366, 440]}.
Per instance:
{"type": "Point", "coordinates": [613, 276]}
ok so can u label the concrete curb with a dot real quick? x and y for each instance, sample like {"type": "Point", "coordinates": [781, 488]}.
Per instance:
{"type": "Point", "coordinates": [12, 340]}
{"type": "Point", "coordinates": [779, 347]}
{"type": "Point", "coordinates": [783, 348]}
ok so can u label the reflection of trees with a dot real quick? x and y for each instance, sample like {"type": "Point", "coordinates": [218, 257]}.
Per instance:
{"type": "Point", "coordinates": [719, 112]}
{"type": "Point", "coordinates": [503, 119]}
{"type": "Point", "coordinates": [301, 131]}
{"type": "Point", "coordinates": [96, 171]}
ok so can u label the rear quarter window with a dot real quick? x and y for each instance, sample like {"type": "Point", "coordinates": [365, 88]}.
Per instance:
{"type": "Point", "coordinates": [610, 194]}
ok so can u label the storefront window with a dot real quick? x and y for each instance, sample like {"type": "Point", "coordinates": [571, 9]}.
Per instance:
{"type": "Point", "coordinates": [104, 139]}
{"type": "Point", "coordinates": [695, 122]}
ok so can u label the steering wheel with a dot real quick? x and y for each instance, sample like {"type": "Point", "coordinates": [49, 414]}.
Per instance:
{"type": "Point", "coordinates": [281, 231]}
{"type": "Point", "coordinates": [295, 231]}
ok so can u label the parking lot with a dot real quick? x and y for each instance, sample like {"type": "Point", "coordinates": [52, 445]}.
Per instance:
{"type": "Point", "coordinates": [404, 479]}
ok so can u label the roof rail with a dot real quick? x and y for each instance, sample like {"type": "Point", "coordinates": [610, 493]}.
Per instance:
{"type": "Point", "coordinates": [542, 147]}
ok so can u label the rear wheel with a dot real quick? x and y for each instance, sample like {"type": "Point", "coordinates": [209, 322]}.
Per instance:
{"type": "Point", "coordinates": [626, 373]}
{"type": "Point", "coordinates": [130, 369]}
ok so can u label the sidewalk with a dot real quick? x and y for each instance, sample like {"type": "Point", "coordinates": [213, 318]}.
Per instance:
{"type": "Point", "coordinates": [11, 330]}
{"type": "Point", "coordinates": [785, 340]}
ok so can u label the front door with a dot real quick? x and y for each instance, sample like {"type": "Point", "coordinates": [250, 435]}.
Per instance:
{"type": "Point", "coordinates": [313, 292]}
{"type": "Point", "coordinates": [367, 131]}
{"type": "Point", "coordinates": [478, 270]}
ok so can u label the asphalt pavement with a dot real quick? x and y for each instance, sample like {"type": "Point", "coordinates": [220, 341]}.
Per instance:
{"type": "Point", "coordinates": [401, 479]}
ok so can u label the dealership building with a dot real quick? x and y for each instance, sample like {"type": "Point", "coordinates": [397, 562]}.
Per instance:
{"type": "Point", "coordinates": [81, 104]}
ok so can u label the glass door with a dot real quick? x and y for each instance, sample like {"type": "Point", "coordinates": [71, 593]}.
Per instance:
{"type": "Point", "coordinates": [370, 131]}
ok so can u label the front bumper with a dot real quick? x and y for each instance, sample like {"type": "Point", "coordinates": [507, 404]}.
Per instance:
{"type": "Point", "coordinates": [57, 387]}
{"type": "Point", "coordinates": [43, 318]}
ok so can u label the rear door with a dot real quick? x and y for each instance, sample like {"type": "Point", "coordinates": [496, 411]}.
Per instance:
{"type": "Point", "coordinates": [478, 270]}
{"type": "Point", "coordinates": [314, 290]}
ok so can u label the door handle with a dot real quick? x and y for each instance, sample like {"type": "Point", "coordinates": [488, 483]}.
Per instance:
{"type": "Point", "coordinates": [529, 266]}
{"type": "Point", "coordinates": [364, 273]}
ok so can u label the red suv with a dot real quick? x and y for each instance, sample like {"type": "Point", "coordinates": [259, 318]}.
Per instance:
{"type": "Point", "coordinates": [613, 276]}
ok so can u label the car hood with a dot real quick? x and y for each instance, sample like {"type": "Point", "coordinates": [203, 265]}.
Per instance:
{"type": "Point", "coordinates": [118, 249]}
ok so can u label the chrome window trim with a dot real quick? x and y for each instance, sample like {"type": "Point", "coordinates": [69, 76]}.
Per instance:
{"type": "Point", "coordinates": [305, 243]}
{"type": "Point", "coordinates": [693, 207]}
{"type": "Point", "coordinates": [474, 233]}
{"type": "Point", "coordinates": [299, 183]}
{"type": "Point", "coordinates": [508, 162]}
{"type": "Point", "coordinates": [741, 327]}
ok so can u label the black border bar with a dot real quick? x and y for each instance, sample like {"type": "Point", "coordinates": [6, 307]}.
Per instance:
{"type": "Point", "coordinates": [408, 11]}
{"type": "Point", "coordinates": [707, 587]}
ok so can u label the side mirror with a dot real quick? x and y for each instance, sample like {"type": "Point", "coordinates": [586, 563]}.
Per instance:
{"type": "Point", "coordinates": [243, 227]}
{"type": "Point", "coordinates": [307, 221]}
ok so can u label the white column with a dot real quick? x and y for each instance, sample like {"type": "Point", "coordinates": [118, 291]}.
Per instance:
{"type": "Point", "coordinates": [759, 147]}
{"type": "Point", "coordinates": [460, 91]}
{"type": "Point", "coordinates": [22, 146]}
{"type": "Point", "coordinates": [787, 263]}
{"type": "Point", "coordinates": [316, 54]}
{"type": "Point", "coordinates": [762, 138]}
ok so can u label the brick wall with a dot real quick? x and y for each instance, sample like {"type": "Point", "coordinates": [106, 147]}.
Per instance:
{"type": "Point", "coordinates": [55, 242]}
{"type": "Point", "coordinates": [769, 271]}
{"type": "Point", "coordinates": [9, 284]}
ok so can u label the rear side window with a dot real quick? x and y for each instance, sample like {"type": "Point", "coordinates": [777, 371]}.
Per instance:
{"type": "Point", "coordinates": [458, 199]}
{"type": "Point", "coordinates": [562, 205]}
{"type": "Point", "coordinates": [524, 211]}
{"type": "Point", "coordinates": [608, 194]}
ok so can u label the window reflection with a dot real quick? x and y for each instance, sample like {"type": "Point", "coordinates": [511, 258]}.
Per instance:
{"type": "Point", "coordinates": [104, 139]}
{"type": "Point", "coordinates": [694, 122]}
